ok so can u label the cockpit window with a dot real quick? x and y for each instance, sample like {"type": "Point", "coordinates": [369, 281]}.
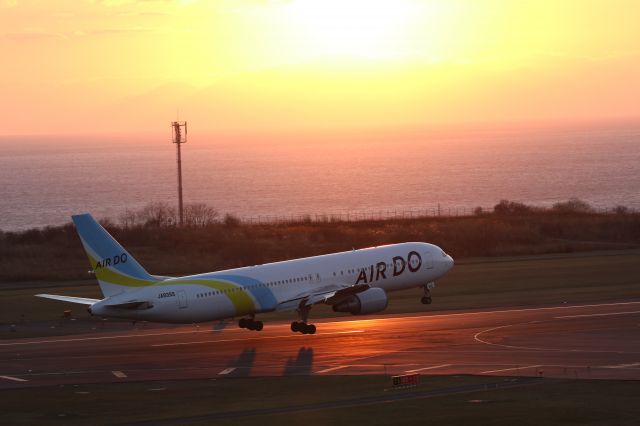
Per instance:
{"type": "Point", "coordinates": [444, 254]}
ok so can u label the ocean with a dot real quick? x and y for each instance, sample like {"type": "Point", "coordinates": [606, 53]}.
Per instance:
{"type": "Point", "coordinates": [43, 180]}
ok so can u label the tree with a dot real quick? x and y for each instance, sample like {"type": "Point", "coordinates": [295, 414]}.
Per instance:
{"type": "Point", "coordinates": [573, 205]}
{"type": "Point", "coordinates": [621, 209]}
{"type": "Point", "coordinates": [506, 207]}
{"type": "Point", "coordinates": [128, 219]}
{"type": "Point", "coordinates": [157, 214]}
{"type": "Point", "coordinates": [199, 215]}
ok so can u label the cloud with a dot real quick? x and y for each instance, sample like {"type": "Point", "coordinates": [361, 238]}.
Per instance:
{"type": "Point", "coordinates": [39, 35]}
{"type": "Point", "coordinates": [7, 4]}
{"type": "Point", "coordinates": [110, 31]}
{"type": "Point", "coordinates": [32, 36]}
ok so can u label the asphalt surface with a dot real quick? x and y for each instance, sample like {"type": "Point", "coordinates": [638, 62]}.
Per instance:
{"type": "Point", "coordinates": [596, 341]}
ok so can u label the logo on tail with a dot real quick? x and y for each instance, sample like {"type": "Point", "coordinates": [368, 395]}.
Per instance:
{"type": "Point", "coordinates": [116, 270]}
{"type": "Point", "coordinates": [121, 258]}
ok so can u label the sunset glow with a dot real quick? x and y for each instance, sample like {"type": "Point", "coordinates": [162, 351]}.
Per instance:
{"type": "Point", "coordinates": [360, 27]}
{"type": "Point", "coordinates": [302, 65]}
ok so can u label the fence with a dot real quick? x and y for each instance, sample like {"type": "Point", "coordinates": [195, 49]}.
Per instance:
{"type": "Point", "coordinates": [362, 215]}
{"type": "Point", "coordinates": [373, 215]}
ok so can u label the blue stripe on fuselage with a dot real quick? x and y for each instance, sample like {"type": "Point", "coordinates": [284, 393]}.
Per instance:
{"type": "Point", "coordinates": [263, 295]}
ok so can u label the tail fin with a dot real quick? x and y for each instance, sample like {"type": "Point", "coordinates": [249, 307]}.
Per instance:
{"type": "Point", "coordinates": [116, 270]}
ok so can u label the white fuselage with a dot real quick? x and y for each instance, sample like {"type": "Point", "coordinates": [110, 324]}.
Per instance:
{"type": "Point", "coordinates": [263, 288]}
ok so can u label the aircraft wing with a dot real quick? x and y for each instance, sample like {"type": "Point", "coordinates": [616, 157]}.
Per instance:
{"type": "Point", "coordinates": [80, 300]}
{"type": "Point", "coordinates": [326, 294]}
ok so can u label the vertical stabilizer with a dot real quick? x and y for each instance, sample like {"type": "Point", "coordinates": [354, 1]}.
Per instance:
{"type": "Point", "coordinates": [116, 270]}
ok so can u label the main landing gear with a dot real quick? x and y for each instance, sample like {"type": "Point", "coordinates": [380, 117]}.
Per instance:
{"type": "Point", "coordinates": [302, 326]}
{"type": "Point", "coordinates": [250, 324]}
{"type": "Point", "coordinates": [426, 299]}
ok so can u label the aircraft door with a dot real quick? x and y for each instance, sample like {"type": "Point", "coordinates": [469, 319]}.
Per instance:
{"type": "Point", "coordinates": [182, 299]}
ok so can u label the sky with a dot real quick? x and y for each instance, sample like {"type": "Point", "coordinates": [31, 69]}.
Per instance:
{"type": "Point", "coordinates": [312, 66]}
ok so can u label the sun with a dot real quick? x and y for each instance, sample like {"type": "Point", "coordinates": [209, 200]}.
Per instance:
{"type": "Point", "coordinates": [369, 28]}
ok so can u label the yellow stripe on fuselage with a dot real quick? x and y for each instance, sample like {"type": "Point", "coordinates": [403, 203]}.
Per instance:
{"type": "Point", "coordinates": [240, 298]}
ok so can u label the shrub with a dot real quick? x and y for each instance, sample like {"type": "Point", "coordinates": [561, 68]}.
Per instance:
{"type": "Point", "coordinates": [506, 207]}
{"type": "Point", "coordinates": [574, 205]}
{"type": "Point", "coordinates": [231, 221]}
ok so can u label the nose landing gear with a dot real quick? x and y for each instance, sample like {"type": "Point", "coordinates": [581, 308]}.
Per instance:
{"type": "Point", "coordinates": [250, 324]}
{"type": "Point", "coordinates": [426, 299]}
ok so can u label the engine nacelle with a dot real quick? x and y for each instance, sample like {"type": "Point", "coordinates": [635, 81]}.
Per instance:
{"type": "Point", "coordinates": [368, 302]}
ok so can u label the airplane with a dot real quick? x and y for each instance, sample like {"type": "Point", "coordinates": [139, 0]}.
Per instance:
{"type": "Point", "coordinates": [355, 282]}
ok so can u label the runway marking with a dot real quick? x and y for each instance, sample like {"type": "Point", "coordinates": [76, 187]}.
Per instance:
{"type": "Point", "coordinates": [477, 338]}
{"type": "Point", "coordinates": [14, 379]}
{"type": "Point", "coordinates": [509, 369]}
{"type": "Point", "coordinates": [123, 336]}
{"type": "Point", "coordinates": [286, 336]}
{"type": "Point", "coordinates": [635, 364]}
{"type": "Point", "coordinates": [598, 315]}
{"type": "Point", "coordinates": [487, 312]}
{"type": "Point", "coordinates": [428, 368]}
{"type": "Point", "coordinates": [119, 374]}
{"type": "Point", "coordinates": [326, 370]}
{"type": "Point", "coordinates": [227, 371]}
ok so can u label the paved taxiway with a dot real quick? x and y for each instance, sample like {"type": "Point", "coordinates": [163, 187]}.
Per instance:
{"type": "Point", "coordinates": [586, 341]}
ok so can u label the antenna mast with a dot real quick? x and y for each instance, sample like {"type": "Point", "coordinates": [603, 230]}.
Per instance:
{"type": "Point", "coordinates": [179, 136]}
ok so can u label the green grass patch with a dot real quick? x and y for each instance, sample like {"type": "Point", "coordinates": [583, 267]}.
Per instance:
{"type": "Point", "coordinates": [585, 402]}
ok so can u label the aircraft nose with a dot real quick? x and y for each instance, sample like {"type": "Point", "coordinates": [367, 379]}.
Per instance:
{"type": "Point", "coordinates": [450, 262]}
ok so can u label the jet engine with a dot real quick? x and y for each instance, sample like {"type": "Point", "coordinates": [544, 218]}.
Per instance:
{"type": "Point", "coordinates": [368, 302]}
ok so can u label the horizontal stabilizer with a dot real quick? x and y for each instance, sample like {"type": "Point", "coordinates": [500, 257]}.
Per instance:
{"type": "Point", "coordinates": [81, 300]}
{"type": "Point", "coordinates": [131, 304]}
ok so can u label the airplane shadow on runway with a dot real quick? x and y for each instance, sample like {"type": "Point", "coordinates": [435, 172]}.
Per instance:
{"type": "Point", "coordinates": [301, 365]}
{"type": "Point", "coordinates": [243, 364]}
{"type": "Point", "coordinates": [218, 327]}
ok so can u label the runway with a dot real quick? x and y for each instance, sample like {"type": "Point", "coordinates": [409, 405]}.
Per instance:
{"type": "Point", "coordinates": [596, 341]}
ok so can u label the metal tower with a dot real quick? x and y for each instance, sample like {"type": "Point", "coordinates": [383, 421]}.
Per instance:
{"type": "Point", "coordinates": [179, 137]}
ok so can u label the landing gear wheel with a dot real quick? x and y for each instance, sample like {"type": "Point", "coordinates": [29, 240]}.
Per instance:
{"type": "Point", "coordinates": [303, 327]}
{"type": "Point", "coordinates": [426, 300]}
{"type": "Point", "coordinates": [250, 324]}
